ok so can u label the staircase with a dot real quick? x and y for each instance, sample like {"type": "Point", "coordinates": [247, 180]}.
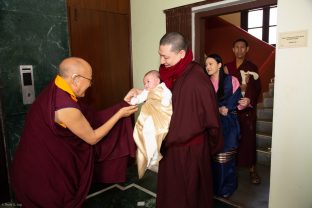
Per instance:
{"type": "Point", "coordinates": [264, 127]}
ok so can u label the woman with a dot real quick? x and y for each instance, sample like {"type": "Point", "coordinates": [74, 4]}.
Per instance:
{"type": "Point", "coordinates": [228, 94]}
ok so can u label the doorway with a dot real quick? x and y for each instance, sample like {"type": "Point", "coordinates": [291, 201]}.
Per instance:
{"type": "Point", "coordinates": [209, 20]}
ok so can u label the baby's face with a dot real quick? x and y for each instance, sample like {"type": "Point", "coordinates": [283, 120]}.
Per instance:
{"type": "Point", "coordinates": [150, 81]}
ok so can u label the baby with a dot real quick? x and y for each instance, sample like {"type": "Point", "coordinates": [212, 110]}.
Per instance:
{"type": "Point", "coordinates": [153, 122]}
{"type": "Point", "coordinates": [151, 80]}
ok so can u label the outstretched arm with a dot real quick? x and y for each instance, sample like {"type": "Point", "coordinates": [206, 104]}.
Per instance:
{"type": "Point", "coordinates": [75, 121]}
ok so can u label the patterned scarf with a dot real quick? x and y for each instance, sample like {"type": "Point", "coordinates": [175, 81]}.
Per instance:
{"type": "Point", "coordinates": [170, 74]}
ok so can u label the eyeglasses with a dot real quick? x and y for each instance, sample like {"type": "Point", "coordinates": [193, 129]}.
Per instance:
{"type": "Point", "coordinates": [78, 75]}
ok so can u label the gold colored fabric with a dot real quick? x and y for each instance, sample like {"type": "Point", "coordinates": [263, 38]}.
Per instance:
{"type": "Point", "coordinates": [160, 116]}
{"type": "Point", "coordinates": [62, 84]}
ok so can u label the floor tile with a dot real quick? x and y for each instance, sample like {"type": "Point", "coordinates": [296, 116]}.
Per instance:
{"type": "Point", "coordinates": [131, 194]}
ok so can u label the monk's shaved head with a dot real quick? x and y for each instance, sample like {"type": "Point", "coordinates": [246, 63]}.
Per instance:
{"type": "Point", "coordinates": [73, 65]}
{"type": "Point", "coordinates": [77, 73]}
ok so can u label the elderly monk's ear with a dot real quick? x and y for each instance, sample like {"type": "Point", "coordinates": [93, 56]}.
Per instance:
{"type": "Point", "coordinates": [74, 84]}
{"type": "Point", "coordinates": [75, 80]}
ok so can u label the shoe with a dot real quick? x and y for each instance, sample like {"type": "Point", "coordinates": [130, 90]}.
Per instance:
{"type": "Point", "coordinates": [254, 178]}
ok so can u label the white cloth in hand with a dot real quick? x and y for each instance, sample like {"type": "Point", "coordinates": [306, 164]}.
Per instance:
{"type": "Point", "coordinates": [243, 75]}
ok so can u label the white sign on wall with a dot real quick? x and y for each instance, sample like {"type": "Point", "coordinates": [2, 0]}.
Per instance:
{"type": "Point", "coordinates": [293, 39]}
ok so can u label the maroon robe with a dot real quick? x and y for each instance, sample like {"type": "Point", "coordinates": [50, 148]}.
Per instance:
{"type": "Point", "coordinates": [184, 176]}
{"type": "Point", "coordinates": [112, 153]}
{"type": "Point", "coordinates": [52, 167]}
{"type": "Point", "coordinates": [246, 156]}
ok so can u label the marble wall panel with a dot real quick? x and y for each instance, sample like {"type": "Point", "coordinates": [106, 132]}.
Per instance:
{"type": "Point", "coordinates": [33, 32]}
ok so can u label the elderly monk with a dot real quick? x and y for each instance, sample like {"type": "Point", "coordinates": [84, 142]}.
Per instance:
{"type": "Point", "coordinates": [54, 162]}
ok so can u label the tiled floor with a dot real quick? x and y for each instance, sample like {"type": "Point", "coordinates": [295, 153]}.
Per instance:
{"type": "Point", "coordinates": [249, 195]}
{"type": "Point", "coordinates": [125, 195]}
{"type": "Point", "coordinates": [141, 193]}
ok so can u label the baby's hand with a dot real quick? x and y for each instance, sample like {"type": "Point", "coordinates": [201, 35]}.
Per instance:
{"type": "Point", "coordinates": [132, 93]}
{"type": "Point", "coordinates": [134, 101]}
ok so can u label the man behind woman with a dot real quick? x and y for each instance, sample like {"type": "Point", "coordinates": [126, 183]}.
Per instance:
{"type": "Point", "coordinates": [246, 156]}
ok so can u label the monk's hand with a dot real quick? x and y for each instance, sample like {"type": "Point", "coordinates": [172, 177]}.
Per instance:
{"type": "Point", "coordinates": [243, 87]}
{"type": "Point", "coordinates": [247, 78]}
{"type": "Point", "coordinates": [127, 111]}
{"type": "Point", "coordinates": [132, 93]}
{"type": "Point", "coordinates": [244, 101]}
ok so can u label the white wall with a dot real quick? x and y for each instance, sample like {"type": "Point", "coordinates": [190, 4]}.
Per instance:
{"type": "Point", "coordinates": [291, 171]}
{"type": "Point", "coordinates": [148, 24]}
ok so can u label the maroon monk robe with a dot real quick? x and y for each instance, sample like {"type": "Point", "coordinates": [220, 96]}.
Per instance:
{"type": "Point", "coordinates": [184, 177]}
{"type": "Point", "coordinates": [52, 167]}
{"type": "Point", "coordinates": [246, 156]}
{"type": "Point", "coordinates": [113, 151]}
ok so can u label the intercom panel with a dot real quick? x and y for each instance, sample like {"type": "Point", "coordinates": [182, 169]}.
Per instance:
{"type": "Point", "coordinates": [27, 83]}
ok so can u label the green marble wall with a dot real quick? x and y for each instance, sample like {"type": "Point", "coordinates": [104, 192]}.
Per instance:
{"type": "Point", "coordinates": [32, 32]}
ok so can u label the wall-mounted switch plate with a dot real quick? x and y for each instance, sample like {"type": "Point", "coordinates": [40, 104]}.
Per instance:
{"type": "Point", "coordinates": [27, 83]}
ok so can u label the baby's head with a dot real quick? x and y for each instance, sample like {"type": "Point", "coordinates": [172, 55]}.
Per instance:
{"type": "Point", "coordinates": [151, 79]}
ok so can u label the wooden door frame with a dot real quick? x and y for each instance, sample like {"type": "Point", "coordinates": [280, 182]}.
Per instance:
{"type": "Point", "coordinates": [202, 12]}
